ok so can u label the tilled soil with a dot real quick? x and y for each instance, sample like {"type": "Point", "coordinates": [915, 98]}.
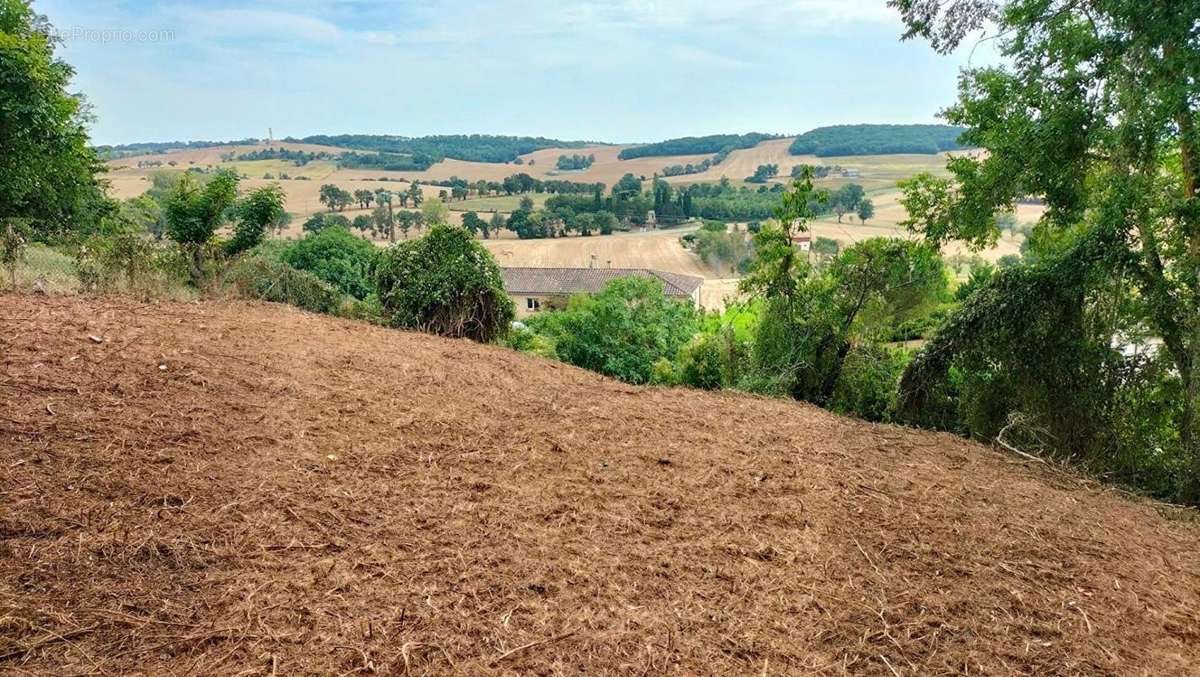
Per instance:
{"type": "Point", "coordinates": [232, 488]}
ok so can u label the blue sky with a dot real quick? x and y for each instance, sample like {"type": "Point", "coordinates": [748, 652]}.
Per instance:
{"type": "Point", "coordinates": [606, 70]}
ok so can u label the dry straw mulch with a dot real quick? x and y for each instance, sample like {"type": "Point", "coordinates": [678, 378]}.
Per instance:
{"type": "Point", "coordinates": [248, 489]}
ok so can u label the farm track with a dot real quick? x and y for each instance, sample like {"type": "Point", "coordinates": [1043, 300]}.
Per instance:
{"type": "Point", "coordinates": [233, 488]}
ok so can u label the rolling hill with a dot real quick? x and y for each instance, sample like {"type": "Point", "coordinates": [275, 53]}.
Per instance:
{"type": "Point", "coordinates": [232, 488]}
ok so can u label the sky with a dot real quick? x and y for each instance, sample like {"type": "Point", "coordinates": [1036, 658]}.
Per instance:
{"type": "Point", "coordinates": [622, 71]}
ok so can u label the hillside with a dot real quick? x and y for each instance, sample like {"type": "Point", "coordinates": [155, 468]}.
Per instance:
{"type": "Point", "coordinates": [228, 488]}
{"type": "Point", "coordinates": [843, 140]}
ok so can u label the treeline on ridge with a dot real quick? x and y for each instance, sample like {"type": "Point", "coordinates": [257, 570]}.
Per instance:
{"type": "Point", "coordinates": [118, 151]}
{"type": "Point", "coordinates": [468, 147]}
{"type": "Point", "coordinates": [839, 140]}
{"type": "Point", "coordinates": [697, 145]}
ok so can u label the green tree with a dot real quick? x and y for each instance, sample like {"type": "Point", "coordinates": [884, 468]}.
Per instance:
{"type": "Point", "coordinates": [778, 269]}
{"type": "Point", "coordinates": [866, 209]}
{"type": "Point", "coordinates": [847, 199]}
{"type": "Point", "coordinates": [337, 257]}
{"type": "Point", "coordinates": [363, 223]}
{"type": "Point", "coordinates": [328, 196]}
{"type": "Point", "coordinates": [1095, 112]}
{"type": "Point", "coordinates": [435, 212]}
{"type": "Point", "coordinates": [622, 331]}
{"type": "Point", "coordinates": [476, 225]}
{"type": "Point", "coordinates": [256, 213]}
{"type": "Point", "coordinates": [628, 186]}
{"type": "Point", "coordinates": [407, 221]}
{"type": "Point", "coordinates": [48, 172]}
{"type": "Point", "coordinates": [385, 219]}
{"type": "Point", "coordinates": [415, 194]}
{"type": "Point", "coordinates": [444, 283]}
{"type": "Point", "coordinates": [194, 213]}
{"type": "Point", "coordinates": [364, 198]}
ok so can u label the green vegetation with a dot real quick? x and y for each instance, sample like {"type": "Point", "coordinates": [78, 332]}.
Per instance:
{"type": "Point", "coordinates": [818, 335]}
{"type": "Point", "coordinates": [48, 174]}
{"type": "Point", "coordinates": [763, 173]}
{"type": "Point", "coordinates": [842, 140]}
{"type": "Point", "coordinates": [689, 168]}
{"type": "Point", "coordinates": [334, 197]}
{"type": "Point", "coordinates": [298, 158]}
{"type": "Point", "coordinates": [261, 278]}
{"type": "Point", "coordinates": [574, 162]}
{"type": "Point", "coordinates": [119, 151]}
{"type": "Point", "coordinates": [194, 212]}
{"type": "Point", "coordinates": [1088, 349]}
{"type": "Point", "coordinates": [696, 145]}
{"type": "Point", "coordinates": [444, 283]}
{"type": "Point", "coordinates": [472, 147]}
{"type": "Point", "coordinates": [620, 332]}
{"type": "Point", "coordinates": [337, 257]}
{"type": "Point", "coordinates": [728, 251]}
{"type": "Point", "coordinates": [848, 199]}
{"type": "Point", "coordinates": [388, 161]}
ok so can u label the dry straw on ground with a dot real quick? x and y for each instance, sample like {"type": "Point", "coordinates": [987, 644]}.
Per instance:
{"type": "Point", "coordinates": [248, 489]}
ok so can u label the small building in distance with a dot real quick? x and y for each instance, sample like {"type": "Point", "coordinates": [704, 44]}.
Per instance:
{"type": "Point", "coordinates": [802, 241]}
{"type": "Point", "coordinates": [533, 289]}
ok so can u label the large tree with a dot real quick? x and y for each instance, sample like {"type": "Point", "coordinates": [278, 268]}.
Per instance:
{"type": "Point", "coordinates": [48, 173]}
{"type": "Point", "coordinates": [1095, 112]}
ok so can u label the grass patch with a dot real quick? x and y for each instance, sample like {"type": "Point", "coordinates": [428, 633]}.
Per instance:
{"type": "Point", "coordinates": [55, 270]}
{"type": "Point", "coordinates": [500, 203]}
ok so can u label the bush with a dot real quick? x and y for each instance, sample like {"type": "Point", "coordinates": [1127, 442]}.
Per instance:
{"type": "Point", "coordinates": [662, 373]}
{"type": "Point", "coordinates": [702, 363]}
{"type": "Point", "coordinates": [622, 331]}
{"type": "Point", "coordinates": [445, 283]}
{"type": "Point", "coordinates": [337, 257]}
{"type": "Point", "coordinates": [528, 341]}
{"type": "Point", "coordinates": [867, 385]}
{"type": "Point", "coordinates": [255, 277]}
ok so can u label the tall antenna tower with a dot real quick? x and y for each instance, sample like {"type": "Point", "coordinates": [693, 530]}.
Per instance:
{"type": "Point", "coordinates": [270, 135]}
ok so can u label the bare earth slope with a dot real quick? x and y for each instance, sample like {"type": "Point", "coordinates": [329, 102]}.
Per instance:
{"type": "Point", "coordinates": [248, 489]}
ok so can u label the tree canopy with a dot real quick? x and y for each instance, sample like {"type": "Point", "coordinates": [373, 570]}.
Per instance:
{"type": "Point", "coordinates": [696, 145]}
{"type": "Point", "coordinates": [48, 174]}
{"type": "Point", "coordinates": [444, 283]}
{"type": "Point", "coordinates": [841, 140]}
{"type": "Point", "coordinates": [1095, 112]}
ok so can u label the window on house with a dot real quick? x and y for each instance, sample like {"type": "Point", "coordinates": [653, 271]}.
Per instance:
{"type": "Point", "coordinates": [532, 304]}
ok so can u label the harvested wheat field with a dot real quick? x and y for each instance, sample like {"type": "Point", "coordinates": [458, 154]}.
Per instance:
{"type": "Point", "coordinates": [231, 488]}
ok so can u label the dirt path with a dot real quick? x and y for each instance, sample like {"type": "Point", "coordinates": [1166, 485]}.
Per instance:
{"type": "Point", "coordinates": [248, 489]}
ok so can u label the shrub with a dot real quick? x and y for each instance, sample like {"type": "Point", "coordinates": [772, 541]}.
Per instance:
{"type": "Point", "coordinates": [662, 373]}
{"type": "Point", "coordinates": [528, 341]}
{"type": "Point", "coordinates": [445, 283]}
{"type": "Point", "coordinates": [702, 363]}
{"type": "Point", "coordinates": [337, 257]}
{"type": "Point", "coordinates": [258, 278]}
{"type": "Point", "coordinates": [621, 331]}
{"type": "Point", "coordinates": [867, 385]}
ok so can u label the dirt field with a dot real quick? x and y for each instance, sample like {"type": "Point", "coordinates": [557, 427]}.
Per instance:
{"type": "Point", "coordinates": [877, 173]}
{"type": "Point", "coordinates": [248, 489]}
{"type": "Point", "coordinates": [659, 249]}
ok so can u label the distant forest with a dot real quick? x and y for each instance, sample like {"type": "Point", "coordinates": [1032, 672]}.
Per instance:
{"type": "Point", "coordinates": [841, 140]}
{"type": "Point", "coordinates": [472, 147]}
{"type": "Point", "coordinates": [154, 147]}
{"type": "Point", "coordinates": [696, 145]}
{"type": "Point", "coordinates": [391, 162]}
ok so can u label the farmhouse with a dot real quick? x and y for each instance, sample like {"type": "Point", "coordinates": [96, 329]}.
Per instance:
{"type": "Point", "coordinates": [533, 288]}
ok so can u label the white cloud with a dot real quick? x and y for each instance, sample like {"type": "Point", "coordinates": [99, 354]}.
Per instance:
{"type": "Point", "coordinates": [249, 23]}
